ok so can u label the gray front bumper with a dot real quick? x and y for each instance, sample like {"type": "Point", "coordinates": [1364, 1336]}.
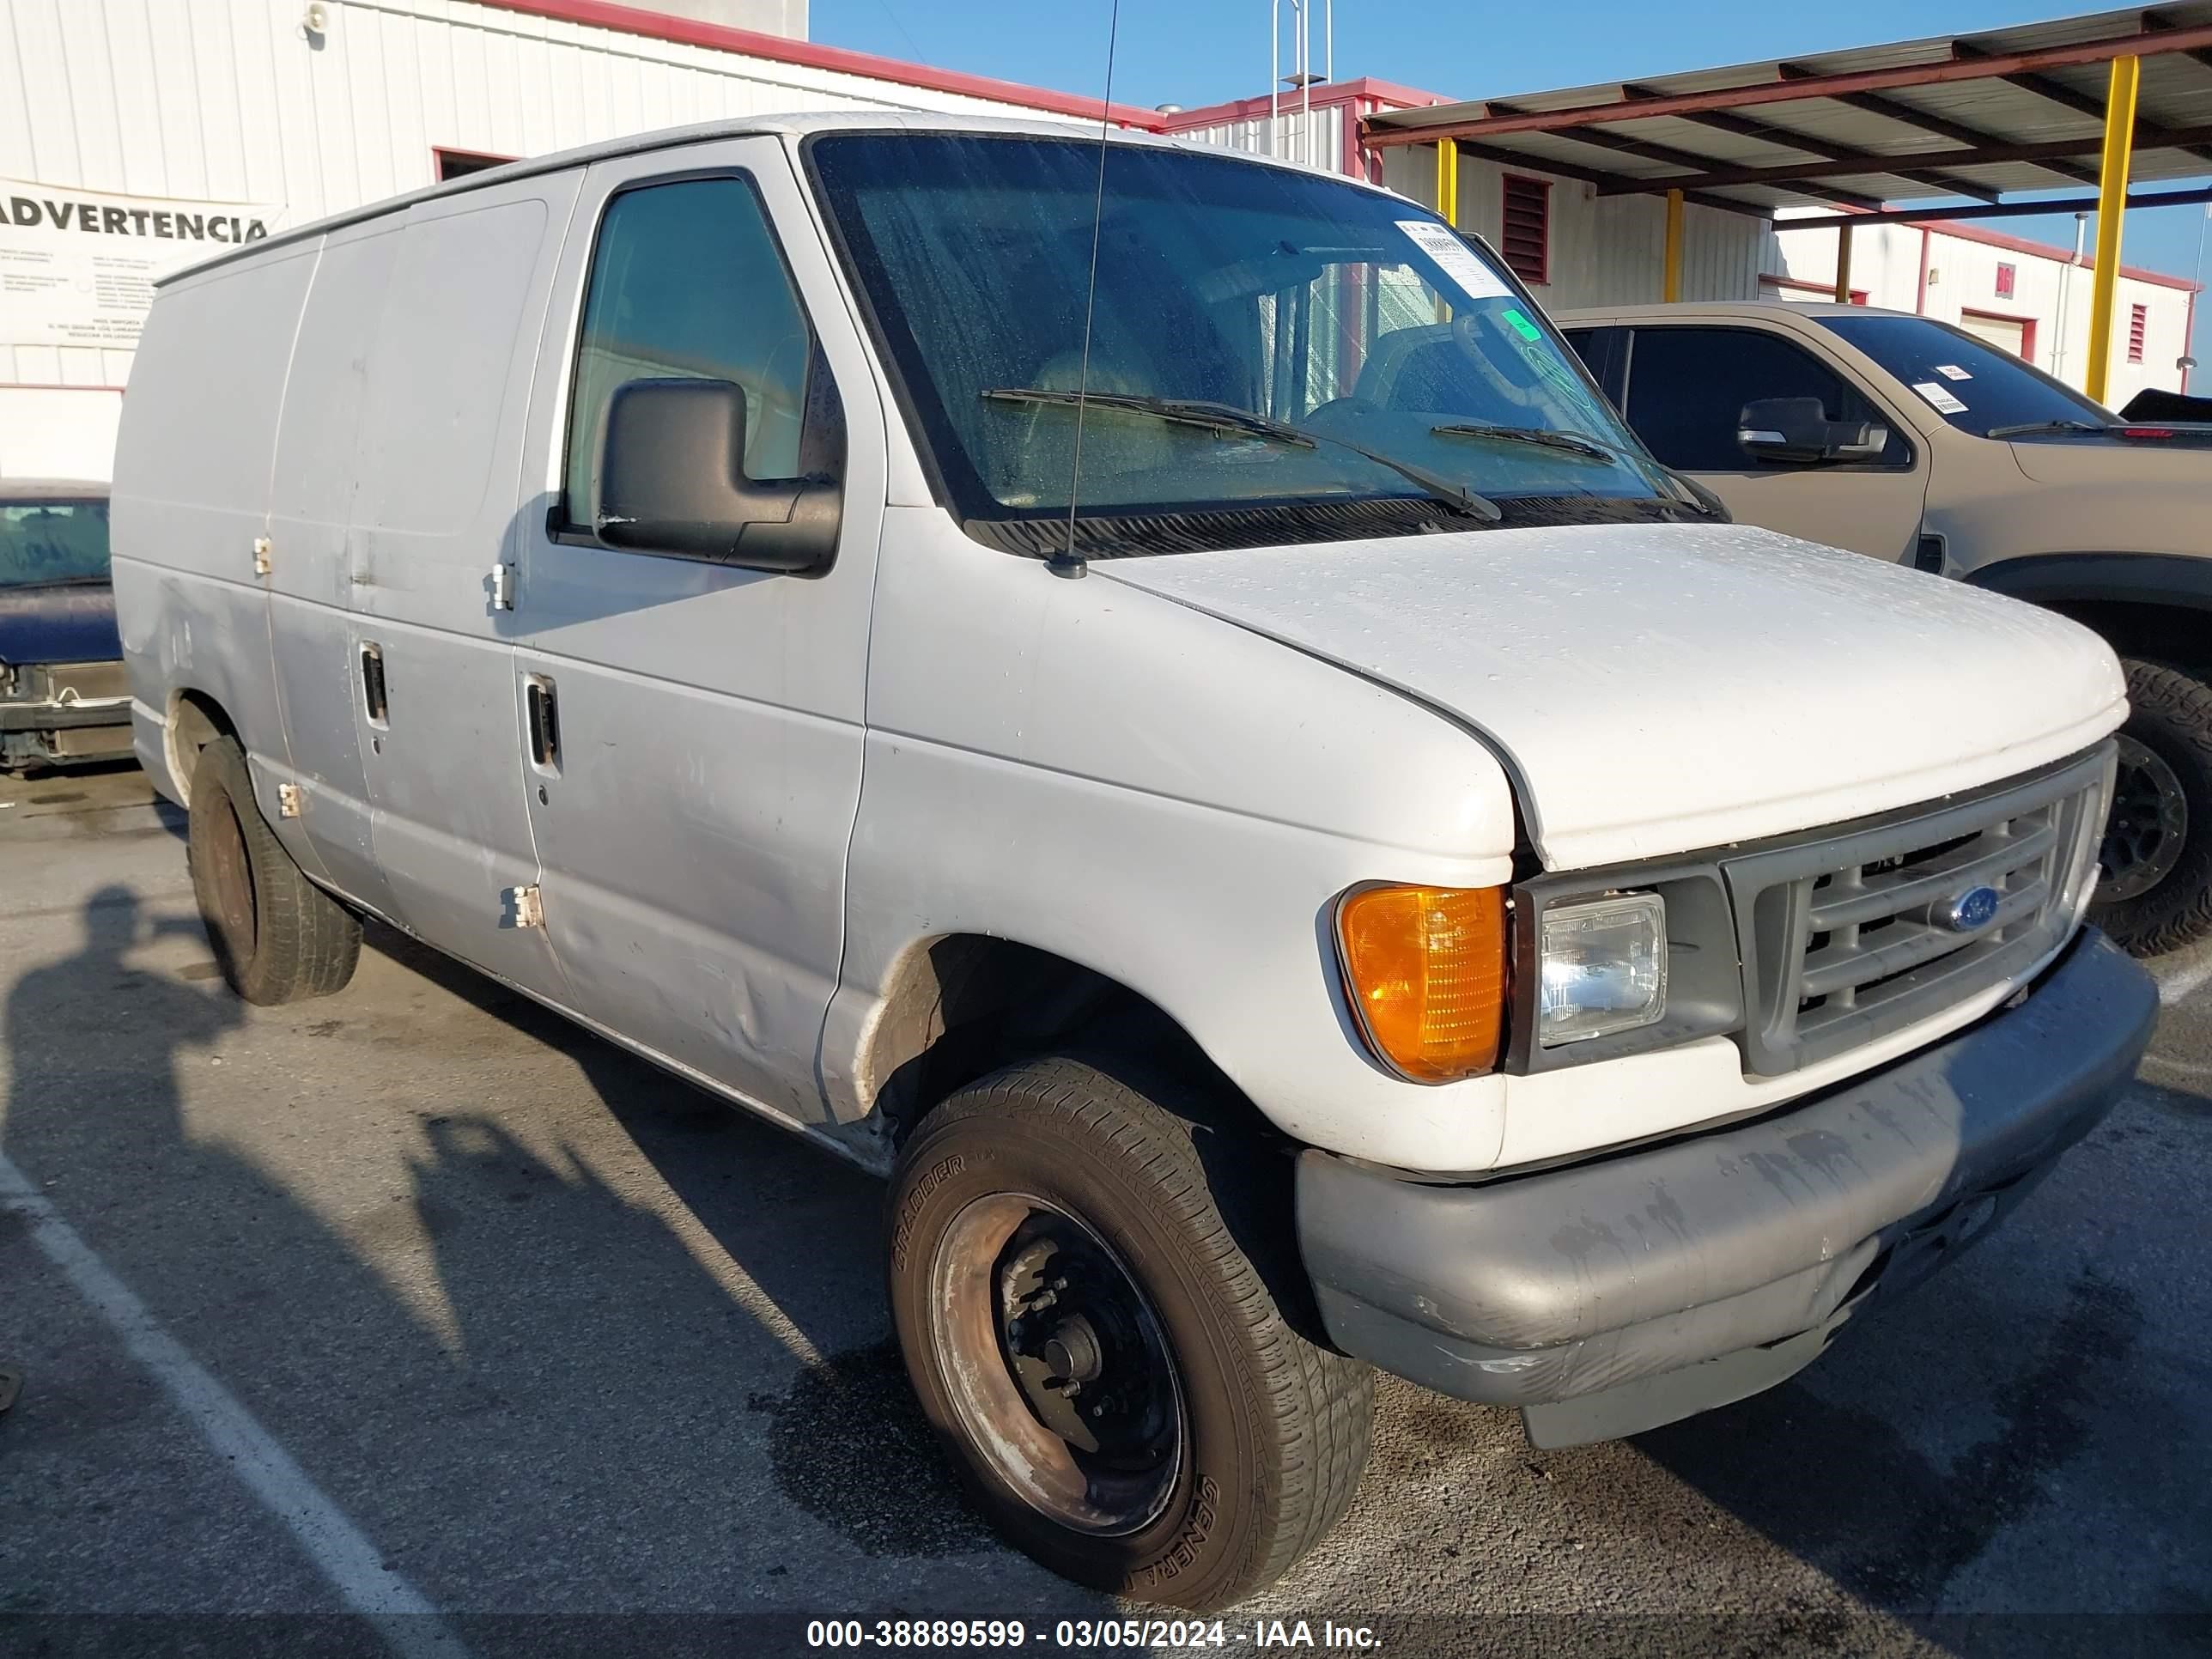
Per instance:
{"type": "Point", "coordinates": [1613, 1296]}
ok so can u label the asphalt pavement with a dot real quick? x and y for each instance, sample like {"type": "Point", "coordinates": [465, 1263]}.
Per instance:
{"type": "Point", "coordinates": [416, 1320]}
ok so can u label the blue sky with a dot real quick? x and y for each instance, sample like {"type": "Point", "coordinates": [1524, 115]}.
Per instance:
{"type": "Point", "coordinates": [1202, 52]}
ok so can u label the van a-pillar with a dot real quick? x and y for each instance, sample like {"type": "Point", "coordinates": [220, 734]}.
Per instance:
{"type": "Point", "coordinates": [2112, 208]}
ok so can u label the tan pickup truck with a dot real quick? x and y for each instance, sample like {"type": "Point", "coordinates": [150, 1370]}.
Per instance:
{"type": "Point", "coordinates": [1912, 441]}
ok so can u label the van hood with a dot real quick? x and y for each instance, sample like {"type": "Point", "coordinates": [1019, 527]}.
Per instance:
{"type": "Point", "coordinates": [1660, 689]}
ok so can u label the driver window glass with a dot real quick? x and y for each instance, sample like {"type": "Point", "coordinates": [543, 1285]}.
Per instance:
{"type": "Point", "coordinates": [687, 281]}
{"type": "Point", "coordinates": [1688, 385]}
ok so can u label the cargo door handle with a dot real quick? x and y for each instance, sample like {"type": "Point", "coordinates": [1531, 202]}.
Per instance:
{"type": "Point", "coordinates": [372, 683]}
{"type": "Point", "coordinates": [545, 723]}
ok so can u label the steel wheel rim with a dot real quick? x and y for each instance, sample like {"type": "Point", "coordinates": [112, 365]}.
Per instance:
{"type": "Point", "coordinates": [996, 1318]}
{"type": "Point", "coordinates": [231, 879]}
{"type": "Point", "coordinates": [2148, 826]}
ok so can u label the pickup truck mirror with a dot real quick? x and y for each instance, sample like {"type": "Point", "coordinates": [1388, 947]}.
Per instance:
{"type": "Point", "coordinates": [673, 482]}
{"type": "Point", "coordinates": [1797, 431]}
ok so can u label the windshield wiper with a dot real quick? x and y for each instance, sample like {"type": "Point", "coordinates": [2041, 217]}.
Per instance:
{"type": "Point", "coordinates": [2025, 428]}
{"type": "Point", "coordinates": [1576, 443]}
{"type": "Point", "coordinates": [1227, 419]}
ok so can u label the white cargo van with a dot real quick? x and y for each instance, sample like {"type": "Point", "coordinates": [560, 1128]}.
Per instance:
{"type": "Point", "coordinates": [1143, 693]}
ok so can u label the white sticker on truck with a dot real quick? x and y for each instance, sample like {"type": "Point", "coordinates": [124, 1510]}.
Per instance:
{"type": "Point", "coordinates": [1457, 260]}
{"type": "Point", "coordinates": [1942, 401]}
{"type": "Point", "coordinates": [1952, 372]}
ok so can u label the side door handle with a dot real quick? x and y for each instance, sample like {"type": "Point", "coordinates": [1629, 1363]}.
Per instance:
{"type": "Point", "coordinates": [544, 715]}
{"type": "Point", "coordinates": [372, 683]}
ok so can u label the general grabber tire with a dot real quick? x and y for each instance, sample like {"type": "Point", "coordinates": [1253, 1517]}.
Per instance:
{"type": "Point", "coordinates": [1053, 1223]}
{"type": "Point", "coordinates": [2154, 890]}
{"type": "Point", "coordinates": [277, 937]}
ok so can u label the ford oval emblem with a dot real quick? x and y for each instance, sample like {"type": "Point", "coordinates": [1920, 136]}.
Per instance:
{"type": "Point", "coordinates": [1970, 909]}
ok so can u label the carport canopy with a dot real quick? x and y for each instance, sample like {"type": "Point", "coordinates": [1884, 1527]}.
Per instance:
{"type": "Point", "coordinates": [2093, 100]}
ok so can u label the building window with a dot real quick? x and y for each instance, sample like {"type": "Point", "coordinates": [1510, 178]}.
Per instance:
{"type": "Point", "coordinates": [2138, 324]}
{"type": "Point", "coordinates": [2005, 275]}
{"type": "Point", "coordinates": [1527, 242]}
{"type": "Point", "coordinates": [459, 163]}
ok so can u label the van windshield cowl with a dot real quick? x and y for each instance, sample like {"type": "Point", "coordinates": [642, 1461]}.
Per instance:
{"type": "Point", "coordinates": [1275, 303]}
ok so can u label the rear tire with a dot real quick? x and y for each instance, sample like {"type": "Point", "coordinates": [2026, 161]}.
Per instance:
{"type": "Point", "coordinates": [277, 937]}
{"type": "Point", "coordinates": [1224, 1444]}
{"type": "Point", "coordinates": [2154, 889]}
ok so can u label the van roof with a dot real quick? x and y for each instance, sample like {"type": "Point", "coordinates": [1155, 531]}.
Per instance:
{"type": "Point", "coordinates": [798, 125]}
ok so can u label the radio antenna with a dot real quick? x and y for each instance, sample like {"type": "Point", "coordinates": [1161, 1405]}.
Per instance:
{"type": "Point", "coordinates": [1065, 562]}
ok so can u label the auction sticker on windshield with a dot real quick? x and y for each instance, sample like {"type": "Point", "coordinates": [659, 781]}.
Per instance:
{"type": "Point", "coordinates": [1457, 259]}
{"type": "Point", "coordinates": [1943, 401]}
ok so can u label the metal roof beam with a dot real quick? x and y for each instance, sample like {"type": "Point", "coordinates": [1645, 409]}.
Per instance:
{"type": "Point", "coordinates": [1601, 179]}
{"type": "Point", "coordinates": [2141, 199]}
{"type": "Point", "coordinates": [1942, 72]}
{"type": "Point", "coordinates": [1901, 165]}
{"type": "Point", "coordinates": [1958, 132]}
{"type": "Point", "coordinates": [2149, 134]}
{"type": "Point", "coordinates": [2158, 21]}
{"type": "Point", "coordinates": [1622, 144]}
{"type": "Point", "coordinates": [1790, 138]}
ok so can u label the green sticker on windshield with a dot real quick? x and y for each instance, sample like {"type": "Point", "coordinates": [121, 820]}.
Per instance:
{"type": "Point", "coordinates": [1522, 325]}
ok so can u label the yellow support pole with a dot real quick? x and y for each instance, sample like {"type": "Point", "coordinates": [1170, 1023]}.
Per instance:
{"type": "Point", "coordinates": [1843, 264]}
{"type": "Point", "coordinates": [1448, 181]}
{"type": "Point", "coordinates": [1671, 286]}
{"type": "Point", "coordinates": [2111, 209]}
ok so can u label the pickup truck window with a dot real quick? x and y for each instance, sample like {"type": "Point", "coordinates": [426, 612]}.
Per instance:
{"type": "Point", "coordinates": [1992, 387]}
{"type": "Point", "coordinates": [43, 542]}
{"type": "Point", "coordinates": [687, 281]}
{"type": "Point", "coordinates": [1278, 294]}
{"type": "Point", "coordinates": [1686, 386]}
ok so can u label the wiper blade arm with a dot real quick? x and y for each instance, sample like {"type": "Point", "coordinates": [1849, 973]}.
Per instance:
{"type": "Point", "coordinates": [1211, 417]}
{"type": "Point", "coordinates": [1576, 443]}
{"type": "Point", "coordinates": [1525, 434]}
{"type": "Point", "coordinates": [2024, 427]}
{"type": "Point", "coordinates": [1227, 418]}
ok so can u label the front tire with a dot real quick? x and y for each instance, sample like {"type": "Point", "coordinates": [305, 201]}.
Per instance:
{"type": "Point", "coordinates": [277, 937]}
{"type": "Point", "coordinates": [2155, 883]}
{"type": "Point", "coordinates": [1050, 1225]}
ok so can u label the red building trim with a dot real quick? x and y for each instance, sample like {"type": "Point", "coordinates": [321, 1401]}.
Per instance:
{"type": "Point", "coordinates": [749, 43]}
{"type": "Point", "coordinates": [1325, 93]}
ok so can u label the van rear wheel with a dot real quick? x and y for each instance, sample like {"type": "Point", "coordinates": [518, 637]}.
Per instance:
{"type": "Point", "coordinates": [1095, 1334]}
{"type": "Point", "coordinates": [2154, 868]}
{"type": "Point", "coordinates": [277, 937]}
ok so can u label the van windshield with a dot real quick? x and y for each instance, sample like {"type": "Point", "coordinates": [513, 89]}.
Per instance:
{"type": "Point", "coordinates": [43, 542]}
{"type": "Point", "coordinates": [1332, 319]}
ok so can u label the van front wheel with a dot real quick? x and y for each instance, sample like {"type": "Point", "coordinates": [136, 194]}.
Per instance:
{"type": "Point", "coordinates": [2154, 869]}
{"type": "Point", "coordinates": [1101, 1350]}
{"type": "Point", "coordinates": [277, 937]}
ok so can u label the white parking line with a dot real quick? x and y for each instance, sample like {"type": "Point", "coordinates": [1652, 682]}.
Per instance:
{"type": "Point", "coordinates": [2181, 982]}
{"type": "Point", "coordinates": [410, 1625]}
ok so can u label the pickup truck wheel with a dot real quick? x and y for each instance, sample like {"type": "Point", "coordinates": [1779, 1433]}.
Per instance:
{"type": "Point", "coordinates": [1099, 1350]}
{"type": "Point", "coordinates": [2154, 882]}
{"type": "Point", "coordinates": [277, 937]}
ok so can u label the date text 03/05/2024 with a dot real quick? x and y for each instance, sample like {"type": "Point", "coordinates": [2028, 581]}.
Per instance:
{"type": "Point", "coordinates": [1142, 1634]}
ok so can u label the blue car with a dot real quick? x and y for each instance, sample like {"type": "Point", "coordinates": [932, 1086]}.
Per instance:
{"type": "Point", "coordinates": [65, 695]}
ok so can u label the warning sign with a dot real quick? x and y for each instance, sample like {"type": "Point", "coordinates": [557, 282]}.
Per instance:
{"type": "Point", "coordinates": [78, 267]}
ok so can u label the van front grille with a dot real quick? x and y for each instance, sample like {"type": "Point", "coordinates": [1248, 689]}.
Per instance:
{"type": "Point", "coordinates": [1846, 939]}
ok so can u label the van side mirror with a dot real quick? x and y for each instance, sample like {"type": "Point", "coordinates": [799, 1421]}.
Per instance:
{"type": "Point", "coordinates": [1797, 431]}
{"type": "Point", "coordinates": [672, 480]}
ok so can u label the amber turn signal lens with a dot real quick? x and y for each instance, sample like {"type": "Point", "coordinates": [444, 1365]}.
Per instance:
{"type": "Point", "coordinates": [1425, 968]}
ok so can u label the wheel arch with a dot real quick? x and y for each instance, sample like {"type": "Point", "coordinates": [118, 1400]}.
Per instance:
{"type": "Point", "coordinates": [2151, 605]}
{"type": "Point", "coordinates": [195, 720]}
{"type": "Point", "coordinates": [959, 1005]}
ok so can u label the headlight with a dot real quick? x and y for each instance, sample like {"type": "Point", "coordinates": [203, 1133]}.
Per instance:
{"type": "Point", "coordinates": [1603, 969]}
{"type": "Point", "coordinates": [1425, 972]}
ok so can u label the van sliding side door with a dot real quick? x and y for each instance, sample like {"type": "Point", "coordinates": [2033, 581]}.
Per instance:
{"type": "Point", "coordinates": [431, 662]}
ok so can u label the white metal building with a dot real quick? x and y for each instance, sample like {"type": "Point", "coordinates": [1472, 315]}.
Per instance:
{"type": "Point", "coordinates": [139, 135]}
